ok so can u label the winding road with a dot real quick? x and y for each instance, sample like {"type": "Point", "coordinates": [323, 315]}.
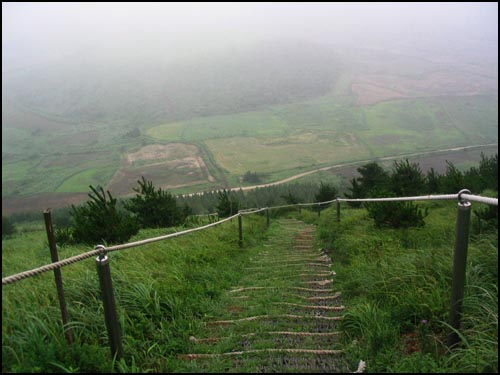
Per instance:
{"type": "Point", "coordinates": [297, 176]}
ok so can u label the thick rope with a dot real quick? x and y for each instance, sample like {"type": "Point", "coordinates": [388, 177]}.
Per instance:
{"type": "Point", "coordinates": [281, 316]}
{"type": "Point", "coordinates": [101, 250]}
{"type": "Point", "coordinates": [172, 235]}
{"type": "Point", "coordinates": [272, 333]}
{"type": "Point", "coordinates": [65, 262]}
{"type": "Point", "coordinates": [49, 267]}
{"type": "Point", "coordinates": [477, 198]}
{"type": "Point", "coordinates": [230, 354]}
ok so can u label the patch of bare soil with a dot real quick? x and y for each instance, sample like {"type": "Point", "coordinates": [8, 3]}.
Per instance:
{"type": "Point", "coordinates": [171, 151]}
{"type": "Point", "coordinates": [42, 201]}
{"type": "Point", "coordinates": [375, 88]}
{"type": "Point", "coordinates": [168, 166]}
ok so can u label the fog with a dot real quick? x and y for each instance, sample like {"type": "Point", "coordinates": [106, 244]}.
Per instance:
{"type": "Point", "coordinates": [45, 32]}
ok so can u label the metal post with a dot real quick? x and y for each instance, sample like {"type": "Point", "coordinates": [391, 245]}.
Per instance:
{"type": "Point", "coordinates": [459, 264]}
{"type": "Point", "coordinates": [108, 300]}
{"type": "Point", "coordinates": [240, 230]}
{"type": "Point", "coordinates": [319, 209]}
{"type": "Point", "coordinates": [338, 211]}
{"type": "Point", "coordinates": [57, 276]}
{"type": "Point", "coordinates": [267, 216]}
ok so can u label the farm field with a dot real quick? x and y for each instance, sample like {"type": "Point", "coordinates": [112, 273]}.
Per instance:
{"type": "Point", "coordinates": [276, 142]}
{"type": "Point", "coordinates": [319, 132]}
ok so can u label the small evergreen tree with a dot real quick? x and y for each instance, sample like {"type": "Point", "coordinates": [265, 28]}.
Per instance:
{"type": "Point", "coordinates": [396, 214]}
{"type": "Point", "coordinates": [99, 221]}
{"type": "Point", "coordinates": [433, 181]}
{"type": "Point", "coordinates": [326, 192]}
{"type": "Point", "coordinates": [373, 179]}
{"type": "Point", "coordinates": [7, 226]}
{"type": "Point", "coordinates": [155, 208]}
{"type": "Point", "coordinates": [488, 170]}
{"type": "Point", "coordinates": [290, 198]}
{"type": "Point", "coordinates": [227, 204]}
{"type": "Point", "coordinates": [407, 179]}
{"type": "Point", "coordinates": [453, 180]}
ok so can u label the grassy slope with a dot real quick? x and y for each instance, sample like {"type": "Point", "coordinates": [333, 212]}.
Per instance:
{"type": "Point", "coordinates": [391, 280]}
{"type": "Point", "coordinates": [163, 290]}
{"type": "Point", "coordinates": [394, 280]}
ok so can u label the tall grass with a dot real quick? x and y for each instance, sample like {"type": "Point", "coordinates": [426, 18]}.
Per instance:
{"type": "Point", "coordinates": [398, 289]}
{"type": "Point", "coordinates": [162, 291]}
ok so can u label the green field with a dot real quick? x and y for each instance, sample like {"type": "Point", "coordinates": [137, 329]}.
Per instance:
{"type": "Point", "coordinates": [276, 142]}
{"type": "Point", "coordinates": [321, 132]}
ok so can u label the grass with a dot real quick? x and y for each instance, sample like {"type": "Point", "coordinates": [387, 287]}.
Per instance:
{"type": "Point", "coordinates": [162, 290]}
{"type": "Point", "coordinates": [398, 283]}
{"type": "Point", "coordinates": [395, 283]}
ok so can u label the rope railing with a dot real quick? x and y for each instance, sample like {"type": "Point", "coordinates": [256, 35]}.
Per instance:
{"type": "Point", "coordinates": [463, 220]}
{"type": "Point", "coordinates": [101, 250]}
{"type": "Point", "coordinates": [161, 238]}
{"type": "Point", "coordinates": [248, 211]}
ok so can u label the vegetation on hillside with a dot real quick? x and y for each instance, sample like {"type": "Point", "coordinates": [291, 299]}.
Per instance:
{"type": "Point", "coordinates": [99, 221]}
{"type": "Point", "coordinates": [155, 208]}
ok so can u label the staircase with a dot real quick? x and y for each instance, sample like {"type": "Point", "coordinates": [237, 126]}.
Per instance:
{"type": "Point", "coordinates": [282, 317]}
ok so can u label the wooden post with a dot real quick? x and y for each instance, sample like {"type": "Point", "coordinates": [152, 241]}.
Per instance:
{"type": "Point", "coordinates": [319, 209]}
{"type": "Point", "coordinates": [108, 300]}
{"type": "Point", "coordinates": [338, 211]}
{"type": "Point", "coordinates": [267, 216]}
{"type": "Point", "coordinates": [57, 276]}
{"type": "Point", "coordinates": [240, 230]}
{"type": "Point", "coordinates": [459, 265]}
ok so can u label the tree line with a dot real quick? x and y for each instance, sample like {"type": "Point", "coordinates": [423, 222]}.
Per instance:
{"type": "Point", "coordinates": [105, 219]}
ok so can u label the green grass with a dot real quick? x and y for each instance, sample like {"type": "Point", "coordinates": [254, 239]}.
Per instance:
{"type": "Point", "coordinates": [393, 280]}
{"type": "Point", "coordinates": [163, 290]}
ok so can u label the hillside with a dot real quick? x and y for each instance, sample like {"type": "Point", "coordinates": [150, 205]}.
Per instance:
{"type": "Point", "coordinates": [391, 282]}
{"type": "Point", "coordinates": [277, 108]}
{"type": "Point", "coordinates": [136, 92]}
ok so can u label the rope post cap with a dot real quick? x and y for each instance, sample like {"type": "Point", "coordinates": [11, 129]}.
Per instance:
{"type": "Point", "coordinates": [102, 253]}
{"type": "Point", "coordinates": [460, 199]}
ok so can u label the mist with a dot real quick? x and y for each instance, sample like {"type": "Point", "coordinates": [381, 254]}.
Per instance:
{"type": "Point", "coordinates": [138, 32]}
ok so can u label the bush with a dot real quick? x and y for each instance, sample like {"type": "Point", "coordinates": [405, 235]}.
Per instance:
{"type": "Point", "coordinates": [7, 226]}
{"type": "Point", "coordinates": [396, 214]}
{"type": "Point", "coordinates": [228, 205]}
{"type": "Point", "coordinates": [407, 179]}
{"type": "Point", "coordinates": [486, 219]}
{"type": "Point", "coordinates": [99, 221]}
{"type": "Point", "coordinates": [64, 236]}
{"type": "Point", "coordinates": [155, 208]}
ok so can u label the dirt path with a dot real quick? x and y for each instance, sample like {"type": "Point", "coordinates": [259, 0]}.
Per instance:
{"type": "Point", "coordinates": [426, 153]}
{"type": "Point", "coordinates": [355, 163]}
{"type": "Point", "coordinates": [282, 317]}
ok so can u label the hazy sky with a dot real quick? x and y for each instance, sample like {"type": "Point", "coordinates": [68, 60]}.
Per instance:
{"type": "Point", "coordinates": [34, 32]}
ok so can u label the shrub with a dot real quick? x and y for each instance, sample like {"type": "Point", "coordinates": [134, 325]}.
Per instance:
{"type": "Point", "coordinates": [396, 214]}
{"type": "Point", "coordinates": [64, 236]}
{"type": "Point", "coordinates": [7, 226]}
{"type": "Point", "coordinates": [407, 179]}
{"type": "Point", "coordinates": [99, 220]}
{"type": "Point", "coordinates": [227, 205]}
{"type": "Point", "coordinates": [155, 208]}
